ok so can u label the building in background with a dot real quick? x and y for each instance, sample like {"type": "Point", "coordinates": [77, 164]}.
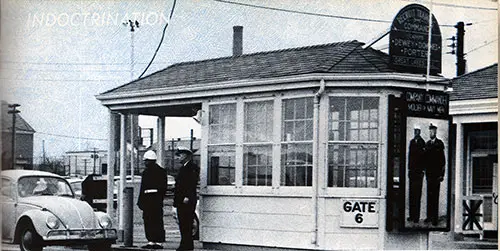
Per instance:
{"type": "Point", "coordinates": [83, 163]}
{"type": "Point", "coordinates": [23, 141]}
{"type": "Point", "coordinates": [474, 107]}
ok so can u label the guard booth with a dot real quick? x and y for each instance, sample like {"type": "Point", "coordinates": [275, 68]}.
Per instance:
{"type": "Point", "coordinates": [305, 148]}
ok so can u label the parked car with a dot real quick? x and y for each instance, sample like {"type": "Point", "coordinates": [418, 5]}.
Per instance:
{"type": "Point", "coordinates": [196, 221]}
{"type": "Point", "coordinates": [39, 209]}
{"type": "Point", "coordinates": [76, 185]}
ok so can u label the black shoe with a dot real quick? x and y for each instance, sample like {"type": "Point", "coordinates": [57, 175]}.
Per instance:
{"type": "Point", "coordinates": [409, 219]}
{"type": "Point", "coordinates": [434, 222]}
{"type": "Point", "coordinates": [156, 246]}
{"type": "Point", "coordinates": [147, 246]}
{"type": "Point", "coordinates": [427, 220]}
{"type": "Point", "coordinates": [415, 220]}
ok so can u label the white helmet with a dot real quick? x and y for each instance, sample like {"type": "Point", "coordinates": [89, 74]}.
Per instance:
{"type": "Point", "coordinates": [149, 155]}
{"type": "Point", "coordinates": [416, 127]}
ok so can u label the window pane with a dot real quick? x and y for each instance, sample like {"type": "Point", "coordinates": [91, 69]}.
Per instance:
{"type": "Point", "coordinates": [356, 117]}
{"type": "Point", "coordinates": [296, 164]}
{"type": "Point", "coordinates": [297, 119]}
{"type": "Point", "coordinates": [352, 165]}
{"type": "Point", "coordinates": [257, 166]}
{"type": "Point", "coordinates": [259, 121]}
{"type": "Point", "coordinates": [221, 163]}
{"type": "Point", "coordinates": [482, 175]}
{"type": "Point", "coordinates": [222, 120]}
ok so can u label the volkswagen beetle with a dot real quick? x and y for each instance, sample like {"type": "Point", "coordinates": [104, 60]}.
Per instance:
{"type": "Point", "coordinates": [40, 209]}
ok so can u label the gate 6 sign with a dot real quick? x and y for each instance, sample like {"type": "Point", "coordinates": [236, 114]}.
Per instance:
{"type": "Point", "coordinates": [362, 213]}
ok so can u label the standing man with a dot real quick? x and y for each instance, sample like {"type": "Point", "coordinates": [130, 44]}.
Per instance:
{"type": "Point", "coordinates": [415, 173]}
{"type": "Point", "coordinates": [152, 192]}
{"type": "Point", "coordinates": [434, 172]}
{"type": "Point", "coordinates": [185, 196]}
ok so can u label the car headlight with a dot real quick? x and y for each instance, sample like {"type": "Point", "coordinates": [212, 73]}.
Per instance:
{"type": "Point", "coordinates": [105, 221]}
{"type": "Point", "coordinates": [52, 222]}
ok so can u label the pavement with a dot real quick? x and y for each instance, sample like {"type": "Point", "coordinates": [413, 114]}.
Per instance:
{"type": "Point", "coordinates": [172, 234]}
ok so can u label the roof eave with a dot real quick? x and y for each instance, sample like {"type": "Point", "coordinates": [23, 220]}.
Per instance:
{"type": "Point", "coordinates": [404, 77]}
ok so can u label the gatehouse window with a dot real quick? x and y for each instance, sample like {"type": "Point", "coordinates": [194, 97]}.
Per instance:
{"type": "Point", "coordinates": [296, 145]}
{"type": "Point", "coordinates": [258, 136]}
{"type": "Point", "coordinates": [221, 147]}
{"type": "Point", "coordinates": [353, 130]}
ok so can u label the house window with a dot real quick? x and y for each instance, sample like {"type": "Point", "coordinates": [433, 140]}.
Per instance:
{"type": "Point", "coordinates": [221, 148]}
{"type": "Point", "coordinates": [257, 156]}
{"type": "Point", "coordinates": [296, 142]}
{"type": "Point", "coordinates": [353, 142]}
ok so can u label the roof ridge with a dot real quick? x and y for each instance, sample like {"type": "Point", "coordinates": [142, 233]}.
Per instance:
{"type": "Point", "coordinates": [268, 52]}
{"type": "Point", "coordinates": [475, 71]}
{"type": "Point", "coordinates": [341, 43]}
{"type": "Point", "coordinates": [344, 57]}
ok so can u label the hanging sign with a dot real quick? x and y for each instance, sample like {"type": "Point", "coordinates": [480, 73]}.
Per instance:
{"type": "Point", "coordinates": [408, 41]}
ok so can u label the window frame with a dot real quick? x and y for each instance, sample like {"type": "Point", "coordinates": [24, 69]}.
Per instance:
{"type": "Point", "coordinates": [282, 142]}
{"type": "Point", "coordinates": [381, 147]}
{"type": "Point", "coordinates": [246, 143]}
{"type": "Point", "coordinates": [222, 144]}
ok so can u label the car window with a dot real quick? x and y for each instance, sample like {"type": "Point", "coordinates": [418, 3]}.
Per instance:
{"type": "Point", "coordinates": [43, 186]}
{"type": "Point", "coordinates": [7, 188]}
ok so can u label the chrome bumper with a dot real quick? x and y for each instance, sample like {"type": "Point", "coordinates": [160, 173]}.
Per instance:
{"type": "Point", "coordinates": [81, 234]}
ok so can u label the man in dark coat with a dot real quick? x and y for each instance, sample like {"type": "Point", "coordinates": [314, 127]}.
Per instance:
{"type": "Point", "coordinates": [185, 196]}
{"type": "Point", "coordinates": [415, 174]}
{"type": "Point", "coordinates": [434, 172]}
{"type": "Point", "coordinates": [152, 192]}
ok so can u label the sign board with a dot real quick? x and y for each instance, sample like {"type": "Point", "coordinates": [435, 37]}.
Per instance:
{"type": "Point", "coordinates": [428, 104]}
{"type": "Point", "coordinates": [408, 41]}
{"type": "Point", "coordinates": [359, 213]}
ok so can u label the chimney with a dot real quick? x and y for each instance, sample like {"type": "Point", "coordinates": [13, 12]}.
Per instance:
{"type": "Point", "coordinates": [237, 41]}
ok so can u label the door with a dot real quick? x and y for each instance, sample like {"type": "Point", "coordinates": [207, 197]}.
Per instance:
{"type": "Point", "coordinates": [7, 200]}
{"type": "Point", "coordinates": [483, 183]}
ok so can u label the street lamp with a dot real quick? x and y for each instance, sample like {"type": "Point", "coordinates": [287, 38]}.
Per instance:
{"type": "Point", "coordinates": [13, 111]}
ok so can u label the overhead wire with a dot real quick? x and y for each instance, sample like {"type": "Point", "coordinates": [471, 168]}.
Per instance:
{"type": "Point", "coordinates": [481, 46]}
{"type": "Point", "coordinates": [72, 137]}
{"type": "Point", "coordinates": [161, 40]}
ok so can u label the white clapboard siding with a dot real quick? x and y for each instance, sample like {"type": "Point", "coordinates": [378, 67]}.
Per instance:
{"type": "Point", "coordinates": [347, 241]}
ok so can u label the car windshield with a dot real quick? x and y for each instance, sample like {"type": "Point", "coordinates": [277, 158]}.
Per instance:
{"type": "Point", "coordinates": [43, 185]}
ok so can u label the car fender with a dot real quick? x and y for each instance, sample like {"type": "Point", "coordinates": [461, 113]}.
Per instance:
{"type": "Point", "coordinates": [37, 218]}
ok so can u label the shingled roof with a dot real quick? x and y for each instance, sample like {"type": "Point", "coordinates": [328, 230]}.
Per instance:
{"type": "Point", "coordinates": [21, 124]}
{"type": "Point", "coordinates": [341, 57]}
{"type": "Point", "coordinates": [479, 84]}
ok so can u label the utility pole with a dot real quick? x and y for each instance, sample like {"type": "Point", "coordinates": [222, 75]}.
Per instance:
{"type": "Point", "coordinates": [191, 141]}
{"type": "Point", "coordinates": [85, 166]}
{"type": "Point", "coordinates": [460, 48]}
{"type": "Point", "coordinates": [133, 25]}
{"type": "Point", "coordinates": [173, 154]}
{"type": "Point", "coordinates": [13, 111]}
{"type": "Point", "coordinates": [94, 156]}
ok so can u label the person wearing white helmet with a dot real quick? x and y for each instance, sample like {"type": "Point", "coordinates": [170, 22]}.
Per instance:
{"type": "Point", "coordinates": [415, 174]}
{"type": "Point", "coordinates": [185, 196]}
{"type": "Point", "coordinates": [152, 192]}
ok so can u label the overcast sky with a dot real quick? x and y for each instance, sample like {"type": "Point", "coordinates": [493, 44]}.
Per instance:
{"type": "Point", "coordinates": [57, 55]}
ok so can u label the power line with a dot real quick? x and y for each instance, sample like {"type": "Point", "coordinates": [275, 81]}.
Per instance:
{"type": "Point", "coordinates": [161, 40]}
{"type": "Point", "coordinates": [305, 13]}
{"type": "Point", "coordinates": [67, 64]}
{"type": "Point", "coordinates": [67, 70]}
{"type": "Point", "coordinates": [71, 137]}
{"type": "Point", "coordinates": [317, 14]}
{"type": "Point", "coordinates": [454, 5]}
{"type": "Point", "coordinates": [63, 80]}
{"type": "Point", "coordinates": [479, 47]}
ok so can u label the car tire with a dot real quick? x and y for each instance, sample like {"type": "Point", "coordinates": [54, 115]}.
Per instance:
{"type": "Point", "coordinates": [196, 227]}
{"type": "Point", "coordinates": [102, 246]}
{"type": "Point", "coordinates": [29, 239]}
